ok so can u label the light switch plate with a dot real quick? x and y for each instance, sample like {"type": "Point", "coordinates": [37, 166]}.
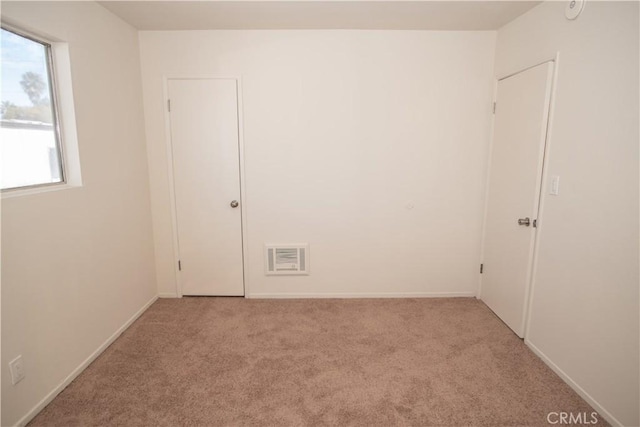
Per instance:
{"type": "Point", "coordinates": [555, 186]}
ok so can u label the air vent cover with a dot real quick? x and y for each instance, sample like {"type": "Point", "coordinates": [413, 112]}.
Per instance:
{"type": "Point", "coordinates": [286, 259]}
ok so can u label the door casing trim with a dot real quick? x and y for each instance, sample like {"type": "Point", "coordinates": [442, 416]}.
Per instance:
{"type": "Point", "coordinates": [544, 183]}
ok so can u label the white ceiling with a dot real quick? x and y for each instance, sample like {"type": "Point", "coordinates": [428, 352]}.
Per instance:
{"type": "Point", "coordinates": [318, 14]}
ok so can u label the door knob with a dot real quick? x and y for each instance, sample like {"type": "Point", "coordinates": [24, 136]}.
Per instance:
{"type": "Point", "coordinates": [234, 204]}
{"type": "Point", "coordinates": [524, 221]}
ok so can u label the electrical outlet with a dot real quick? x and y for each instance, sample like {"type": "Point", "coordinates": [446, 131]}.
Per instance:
{"type": "Point", "coordinates": [17, 370]}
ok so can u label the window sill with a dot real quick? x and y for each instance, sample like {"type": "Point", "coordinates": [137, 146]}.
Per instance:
{"type": "Point", "coordinates": [8, 194]}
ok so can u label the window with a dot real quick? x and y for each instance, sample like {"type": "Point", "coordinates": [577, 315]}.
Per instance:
{"type": "Point", "coordinates": [30, 146]}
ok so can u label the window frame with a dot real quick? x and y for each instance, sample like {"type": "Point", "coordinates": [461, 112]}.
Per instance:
{"type": "Point", "coordinates": [55, 115]}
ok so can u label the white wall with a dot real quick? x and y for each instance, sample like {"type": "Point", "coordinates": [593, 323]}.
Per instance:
{"type": "Point", "coordinates": [584, 316]}
{"type": "Point", "coordinates": [78, 263]}
{"type": "Point", "coordinates": [343, 130]}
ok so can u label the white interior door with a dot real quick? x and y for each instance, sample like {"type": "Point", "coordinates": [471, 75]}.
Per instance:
{"type": "Point", "coordinates": [206, 172]}
{"type": "Point", "coordinates": [517, 156]}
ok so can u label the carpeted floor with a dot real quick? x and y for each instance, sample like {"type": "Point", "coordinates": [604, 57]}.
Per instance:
{"type": "Point", "coordinates": [367, 362]}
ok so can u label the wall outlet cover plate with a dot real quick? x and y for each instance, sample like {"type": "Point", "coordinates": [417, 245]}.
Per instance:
{"type": "Point", "coordinates": [16, 367]}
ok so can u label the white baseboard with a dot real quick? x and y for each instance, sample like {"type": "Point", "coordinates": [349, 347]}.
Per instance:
{"type": "Point", "coordinates": [364, 295]}
{"type": "Point", "coordinates": [49, 397]}
{"type": "Point", "coordinates": [581, 392]}
{"type": "Point", "coordinates": [168, 295]}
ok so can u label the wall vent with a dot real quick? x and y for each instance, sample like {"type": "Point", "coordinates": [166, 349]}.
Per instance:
{"type": "Point", "coordinates": [286, 259]}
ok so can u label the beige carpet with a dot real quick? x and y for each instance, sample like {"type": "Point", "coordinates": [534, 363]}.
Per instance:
{"type": "Point", "coordinates": [373, 362]}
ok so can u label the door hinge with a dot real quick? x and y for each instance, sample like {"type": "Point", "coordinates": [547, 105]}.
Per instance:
{"type": "Point", "coordinates": [481, 268]}
{"type": "Point", "coordinates": [168, 105]}
{"type": "Point", "coordinates": [494, 108]}
{"type": "Point", "coordinates": [179, 266]}
{"type": "Point", "coordinates": [535, 223]}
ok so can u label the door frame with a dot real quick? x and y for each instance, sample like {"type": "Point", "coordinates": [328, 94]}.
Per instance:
{"type": "Point", "coordinates": [170, 169]}
{"type": "Point", "coordinates": [541, 186]}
